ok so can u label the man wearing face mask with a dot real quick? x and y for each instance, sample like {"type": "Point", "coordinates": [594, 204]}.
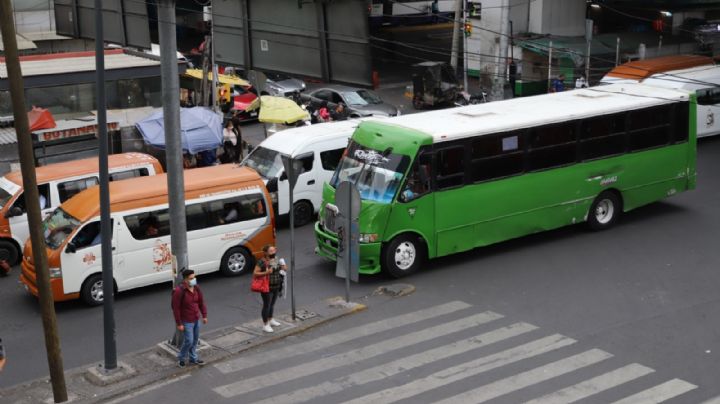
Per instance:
{"type": "Point", "coordinates": [188, 306]}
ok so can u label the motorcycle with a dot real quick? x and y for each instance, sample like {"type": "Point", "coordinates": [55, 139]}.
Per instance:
{"type": "Point", "coordinates": [465, 98]}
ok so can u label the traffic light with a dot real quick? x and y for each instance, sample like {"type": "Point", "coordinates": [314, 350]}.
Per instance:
{"type": "Point", "coordinates": [468, 29]}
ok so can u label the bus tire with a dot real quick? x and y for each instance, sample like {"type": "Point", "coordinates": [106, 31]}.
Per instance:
{"type": "Point", "coordinates": [92, 290]}
{"type": "Point", "coordinates": [303, 213]}
{"type": "Point", "coordinates": [604, 211]}
{"type": "Point", "coordinates": [9, 252]}
{"type": "Point", "coordinates": [403, 255]}
{"type": "Point", "coordinates": [236, 261]}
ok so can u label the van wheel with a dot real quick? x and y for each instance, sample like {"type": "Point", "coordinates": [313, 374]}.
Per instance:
{"type": "Point", "coordinates": [8, 252]}
{"type": "Point", "coordinates": [303, 213]}
{"type": "Point", "coordinates": [92, 290]}
{"type": "Point", "coordinates": [604, 211]}
{"type": "Point", "coordinates": [236, 261]}
{"type": "Point", "coordinates": [403, 255]}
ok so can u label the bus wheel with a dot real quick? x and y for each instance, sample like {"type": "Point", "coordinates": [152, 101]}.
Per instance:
{"type": "Point", "coordinates": [403, 255]}
{"type": "Point", "coordinates": [303, 213]}
{"type": "Point", "coordinates": [236, 261]}
{"type": "Point", "coordinates": [8, 252]}
{"type": "Point", "coordinates": [604, 211]}
{"type": "Point", "coordinates": [92, 290]}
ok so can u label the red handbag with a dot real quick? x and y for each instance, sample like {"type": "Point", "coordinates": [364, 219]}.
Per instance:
{"type": "Point", "coordinates": [260, 284]}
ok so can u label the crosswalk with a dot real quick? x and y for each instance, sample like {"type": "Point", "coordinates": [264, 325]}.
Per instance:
{"type": "Point", "coordinates": [447, 354]}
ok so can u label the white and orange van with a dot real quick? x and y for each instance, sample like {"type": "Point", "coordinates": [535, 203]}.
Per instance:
{"type": "Point", "coordinates": [229, 219]}
{"type": "Point", "coordinates": [56, 184]}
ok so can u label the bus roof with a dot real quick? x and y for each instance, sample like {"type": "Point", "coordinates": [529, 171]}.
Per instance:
{"type": "Point", "coordinates": [501, 116]}
{"type": "Point", "coordinates": [687, 79]}
{"type": "Point", "coordinates": [74, 168]}
{"type": "Point", "coordinates": [642, 69]}
{"type": "Point", "coordinates": [139, 192]}
{"type": "Point", "coordinates": [290, 141]}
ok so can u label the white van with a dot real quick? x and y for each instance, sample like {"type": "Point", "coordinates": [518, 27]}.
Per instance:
{"type": "Point", "coordinates": [319, 147]}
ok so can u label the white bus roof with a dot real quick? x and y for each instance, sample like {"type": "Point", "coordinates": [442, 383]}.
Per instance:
{"type": "Point", "coordinates": [290, 141]}
{"type": "Point", "coordinates": [501, 116]}
{"type": "Point", "coordinates": [689, 79]}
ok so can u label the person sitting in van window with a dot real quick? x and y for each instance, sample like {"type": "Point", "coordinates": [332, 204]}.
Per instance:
{"type": "Point", "coordinates": [151, 226]}
{"type": "Point", "coordinates": [230, 213]}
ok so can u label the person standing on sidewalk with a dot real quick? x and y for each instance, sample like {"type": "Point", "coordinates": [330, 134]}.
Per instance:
{"type": "Point", "coordinates": [275, 269]}
{"type": "Point", "coordinates": [188, 306]}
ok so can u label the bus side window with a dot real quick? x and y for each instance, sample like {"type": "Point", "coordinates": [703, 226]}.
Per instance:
{"type": "Point", "coordinates": [450, 167]}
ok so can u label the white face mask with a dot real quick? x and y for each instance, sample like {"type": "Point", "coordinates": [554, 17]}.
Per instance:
{"type": "Point", "coordinates": [192, 282]}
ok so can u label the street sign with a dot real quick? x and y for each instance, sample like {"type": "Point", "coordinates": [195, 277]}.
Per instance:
{"type": "Point", "coordinates": [347, 200]}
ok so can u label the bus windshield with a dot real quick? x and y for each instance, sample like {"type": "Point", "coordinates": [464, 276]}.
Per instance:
{"type": "Point", "coordinates": [266, 162]}
{"type": "Point", "coordinates": [57, 227]}
{"type": "Point", "coordinates": [377, 175]}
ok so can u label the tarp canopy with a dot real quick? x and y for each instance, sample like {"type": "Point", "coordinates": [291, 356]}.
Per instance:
{"type": "Point", "coordinates": [40, 118]}
{"type": "Point", "coordinates": [281, 110]}
{"type": "Point", "coordinates": [201, 129]}
{"type": "Point", "coordinates": [222, 78]}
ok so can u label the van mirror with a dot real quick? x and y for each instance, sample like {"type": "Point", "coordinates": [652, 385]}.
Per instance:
{"type": "Point", "coordinates": [283, 176]}
{"type": "Point", "coordinates": [14, 211]}
{"type": "Point", "coordinates": [272, 185]}
{"type": "Point", "coordinates": [70, 249]}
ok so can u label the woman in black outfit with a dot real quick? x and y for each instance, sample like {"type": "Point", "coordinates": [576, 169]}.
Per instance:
{"type": "Point", "coordinates": [275, 268]}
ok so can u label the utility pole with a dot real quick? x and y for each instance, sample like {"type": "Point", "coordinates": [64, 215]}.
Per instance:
{"type": "Point", "coordinates": [465, 50]}
{"type": "Point", "coordinates": [173, 144]}
{"type": "Point", "coordinates": [27, 167]}
{"type": "Point", "coordinates": [550, 52]}
{"type": "Point", "coordinates": [105, 223]}
{"type": "Point", "coordinates": [456, 35]}
{"type": "Point", "coordinates": [499, 87]}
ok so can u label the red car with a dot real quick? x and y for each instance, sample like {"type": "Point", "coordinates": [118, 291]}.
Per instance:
{"type": "Point", "coordinates": [242, 98]}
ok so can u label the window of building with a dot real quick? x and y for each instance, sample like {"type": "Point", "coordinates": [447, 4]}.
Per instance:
{"type": "Point", "coordinates": [68, 189]}
{"type": "Point", "coordinates": [331, 158]}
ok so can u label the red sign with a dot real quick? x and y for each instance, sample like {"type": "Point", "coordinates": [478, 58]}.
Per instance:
{"type": "Point", "coordinates": [73, 132]}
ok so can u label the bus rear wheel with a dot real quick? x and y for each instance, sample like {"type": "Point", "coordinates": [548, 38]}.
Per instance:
{"type": "Point", "coordinates": [403, 255]}
{"type": "Point", "coordinates": [604, 211]}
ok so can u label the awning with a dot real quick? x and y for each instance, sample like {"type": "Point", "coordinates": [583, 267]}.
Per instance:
{"type": "Point", "coordinates": [222, 78]}
{"type": "Point", "coordinates": [40, 118]}
{"type": "Point", "coordinates": [281, 110]}
{"type": "Point", "coordinates": [22, 43]}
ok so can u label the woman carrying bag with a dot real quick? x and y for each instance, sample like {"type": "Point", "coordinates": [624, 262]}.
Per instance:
{"type": "Point", "coordinates": [268, 279]}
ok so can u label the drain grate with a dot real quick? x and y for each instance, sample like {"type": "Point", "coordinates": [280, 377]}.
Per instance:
{"type": "Point", "coordinates": [304, 314]}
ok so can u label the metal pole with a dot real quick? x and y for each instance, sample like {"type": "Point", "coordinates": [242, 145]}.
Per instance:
{"type": "Point", "coordinates": [291, 175]}
{"type": "Point", "coordinates": [550, 64]}
{"type": "Point", "coordinates": [456, 36]}
{"type": "Point", "coordinates": [346, 245]}
{"type": "Point", "coordinates": [587, 64]}
{"type": "Point", "coordinates": [27, 167]}
{"type": "Point", "coordinates": [173, 145]}
{"type": "Point", "coordinates": [465, 51]}
{"type": "Point", "coordinates": [105, 224]}
{"type": "Point", "coordinates": [215, 100]}
{"type": "Point", "coordinates": [617, 52]}
{"type": "Point", "coordinates": [499, 87]}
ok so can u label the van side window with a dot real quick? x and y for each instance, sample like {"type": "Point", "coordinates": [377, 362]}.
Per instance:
{"type": "Point", "coordinates": [123, 175]}
{"type": "Point", "coordinates": [330, 159]}
{"type": "Point", "coordinates": [68, 189]}
{"type": "Point", "coordinates": [44, 196]}
{"type": "Point", "coordinates": [307, 163]}
{"type": "Point", "coordinates": [149, 225]}
{"type": "Point", "coordinates": [89, 235]}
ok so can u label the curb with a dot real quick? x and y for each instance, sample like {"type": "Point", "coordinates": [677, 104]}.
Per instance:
{"type": "Point", "coordinates": [154, 365]}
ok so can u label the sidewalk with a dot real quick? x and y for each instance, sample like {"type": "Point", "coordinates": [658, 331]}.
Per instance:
{"type": "Point", "coordinates": [157, 365]}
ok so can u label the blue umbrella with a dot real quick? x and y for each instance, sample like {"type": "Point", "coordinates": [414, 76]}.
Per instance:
{"type": "Point", "coordinates": [200, 128]}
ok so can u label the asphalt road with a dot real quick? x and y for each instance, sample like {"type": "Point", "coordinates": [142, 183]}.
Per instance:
{"type": "Point", "coordinates": [645, 292]}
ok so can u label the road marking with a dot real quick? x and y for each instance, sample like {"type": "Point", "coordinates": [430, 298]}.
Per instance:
{"type": "Point", "coordinates": [405, 364]}
{"type": "Point", "coordinates": [369, 351]}
{"type": "Point", "coordinates": [263, 358]}
{"type": "Point", "coordinates": [147, 389]}
{"type": "Point", "coordinates": [595, 385]}
{"type": "Point", "coordinates": [714, 400]}
{"type": "Point", "coordinates": [528, 378]}
{"type": "Point", "coordinates": [658, 394]}
{"type": "Point", "coordinates": [467, 369]}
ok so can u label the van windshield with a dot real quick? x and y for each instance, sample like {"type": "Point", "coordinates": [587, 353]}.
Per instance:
{"type": "Point", "coordinates": [57, 227]}
{"type": "Point", "coordinates": [266, 162]}
{"type": "Point", "coordinates": [4, 197]}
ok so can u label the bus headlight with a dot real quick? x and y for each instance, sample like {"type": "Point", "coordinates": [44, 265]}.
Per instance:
{"type": "Point", "coordinates": [55, 273]}
{"type": "Point", "coordinates": [368, 237]}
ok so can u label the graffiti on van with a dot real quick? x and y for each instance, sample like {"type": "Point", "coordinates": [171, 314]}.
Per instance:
{"type": "Point", "coordinates": [89, 258]}
{"type": "Point", "coordinates": [162, 256]}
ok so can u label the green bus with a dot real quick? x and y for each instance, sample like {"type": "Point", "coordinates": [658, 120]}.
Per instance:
{"type": "Point", "coordinates": [442, 182]}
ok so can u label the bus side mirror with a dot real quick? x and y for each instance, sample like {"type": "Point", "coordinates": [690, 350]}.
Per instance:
{"type": "Point", "coordinates": [283, 176]}
{"type": "Point", "coordinates": [272, 185]}
{"type": "Point", "coordinates": [70, 249]}
{"type": "Point", "coordinates": [14, 211]}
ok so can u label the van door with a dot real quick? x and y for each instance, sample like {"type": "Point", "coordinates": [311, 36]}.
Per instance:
{"type": "Point", "coordinates": [19, 223]}
{"type": "Point", "coordinates": [145, 249]}
{"type": "Point", "coordinates": [82, 256]}
{"type": "Point", "coordinates": [304, 181]}
{"type": "Point", "coordinates": [329, 160]}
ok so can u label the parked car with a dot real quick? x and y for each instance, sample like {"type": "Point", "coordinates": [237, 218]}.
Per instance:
{"type": "Point", "coordinates": [244, 100]}
{"type": "Point", "coordinates": [282, 85]}
{"type": "Point", "coordinates": [359, 101]}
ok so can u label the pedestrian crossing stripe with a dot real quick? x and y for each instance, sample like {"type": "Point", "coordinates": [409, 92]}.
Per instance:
{"type": "Point", "coordinates": [479, 348]}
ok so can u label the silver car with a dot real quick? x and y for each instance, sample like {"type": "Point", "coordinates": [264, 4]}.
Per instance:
{"type": "Point", "coordinates": [359, 101]}
{"type": "Point", "coordinates": [282, 85]}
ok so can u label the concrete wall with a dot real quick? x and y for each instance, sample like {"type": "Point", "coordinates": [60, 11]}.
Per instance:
{"type": "Point", "coordinates": [558, 17]}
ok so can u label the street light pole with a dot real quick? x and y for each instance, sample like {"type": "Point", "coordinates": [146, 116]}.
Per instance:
{"type": "Point", "coordinates": [173, 144]}
{"type": "Point", "coordinates": [27, 167]}
{"type": "Point", "coordinates": [105, 224]}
